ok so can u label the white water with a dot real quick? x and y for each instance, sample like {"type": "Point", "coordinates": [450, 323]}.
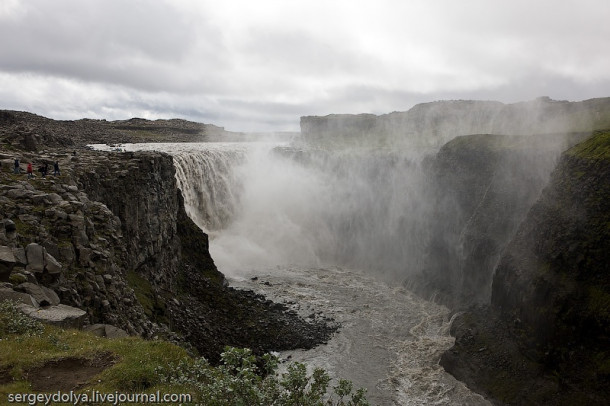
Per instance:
{"type": "Point", "coordinates": [290, 219]}
{"type": "Point", "coordinates": [390, 340]}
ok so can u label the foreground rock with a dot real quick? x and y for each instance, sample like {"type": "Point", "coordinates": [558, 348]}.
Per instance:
{"type": "Point", "coordinates": [242, 318]}
{"type": "Point", "coordinates": [106, 330]}
{"type": "Point", "coordinates": [59, 315]}
{"type": "Point", "coordinates": [17, 297]}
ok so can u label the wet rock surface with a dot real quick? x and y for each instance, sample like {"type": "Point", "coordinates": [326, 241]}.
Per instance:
{"type": "Point", "coordinates": [243, 318]}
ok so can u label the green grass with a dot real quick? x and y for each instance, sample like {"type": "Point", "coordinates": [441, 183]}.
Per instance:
{"type": "Point", "coordinates": [154, 305]}
{"type": "Point", "coordinates": [24, 229]}
{"type": "Point", "coordinates": [135, 370]}
{"type": "Point", "coordinates": [142, 366]}
{"type": "Point", "coordinates": [27, 344]}
{"type": "Point", "coordinates": [595, 147]}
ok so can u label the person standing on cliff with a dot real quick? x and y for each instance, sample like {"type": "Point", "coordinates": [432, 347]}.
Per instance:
{"type": "Point", "coordinates": [17, 171]}
{"type": "Point", "coordinates": [30, 171]}
{"type": "Point", "coordinates": [56, 169]}
{"type": "Point", "coordinates": [44, 168]}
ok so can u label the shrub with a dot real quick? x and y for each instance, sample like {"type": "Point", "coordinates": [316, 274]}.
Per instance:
{"type": "Point", "coordinates": [240, 381]}
{"type": "Point", "coordinates": [13, 321]}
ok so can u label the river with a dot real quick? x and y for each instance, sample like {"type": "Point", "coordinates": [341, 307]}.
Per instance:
{"type": "Point", "coordinates": [390, 340]}
{"type": "Point", "coordinates": [331, 235]}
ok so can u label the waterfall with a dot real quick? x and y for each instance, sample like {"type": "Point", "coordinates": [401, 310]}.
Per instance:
{"type": "Point", "coordinates": [403, 213]}
{"type": "Point", "coordinates": [267, 204]}
{"type": "Point", "coordinates": [209, 185]}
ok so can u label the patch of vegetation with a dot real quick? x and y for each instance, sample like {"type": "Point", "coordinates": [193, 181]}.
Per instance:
{"type": "Point", "coordinates": [7, 146]}
{"type": "Point", "coordinates": [25, 229]}
{"type": "Point", "coordinates": [13, 321]}
{"type": "Point", "coordinates": [595, 147]}
{"type": "Point", "coordinates": [154, 306]}
{"type": "Point", "coordinates": [141, 366]}
{"type": "Point", "coordinates": [239, 381]}
{"type": "Point", "coordinates": [17, 278]}
{"type": "Point", "coordinates": [64, 242]}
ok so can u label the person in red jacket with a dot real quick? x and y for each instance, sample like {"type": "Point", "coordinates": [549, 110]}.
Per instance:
{"type": "Point", "coordinates": [30, 171]}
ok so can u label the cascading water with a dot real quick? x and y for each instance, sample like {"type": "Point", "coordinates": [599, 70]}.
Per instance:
{"type": "Point", "coordinates": [210, 189]}
{"type": "Point", "coordinates": [267, 205]}
{"type": "Point", "coordinates": [302, 221]}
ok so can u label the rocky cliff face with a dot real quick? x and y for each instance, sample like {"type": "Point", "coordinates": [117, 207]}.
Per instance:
{"type": "Point", "coordinates": [148, 212]}
{"type": "Point", "coordinates": [481, 188]}
{"type": "Point", "coordinates": [434, 124]}
{"type": "Point", "coordinates": [554, 277]}
{"type": "Point", "coordinates": [69, 244]}
{"type": "Point", "coordinates": [551, 295]}
{"type": "Point", "coordinates": [108, 241]}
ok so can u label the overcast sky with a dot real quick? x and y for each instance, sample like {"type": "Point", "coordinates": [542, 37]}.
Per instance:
{"type": "Point", "coordinates": [259, 65]}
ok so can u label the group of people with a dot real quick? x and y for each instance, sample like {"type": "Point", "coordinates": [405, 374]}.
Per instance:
{"type": "Point", "coordinates": [43, 169]}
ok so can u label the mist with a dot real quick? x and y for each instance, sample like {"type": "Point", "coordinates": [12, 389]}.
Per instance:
{"type": "Point", "coordinates": [423, 204]}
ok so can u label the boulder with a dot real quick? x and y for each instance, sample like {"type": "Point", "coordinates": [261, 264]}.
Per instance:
{"type": "Point", "coordinates": [51, 248]}
{"type": "Point", "coordinates": [106, 330]}
{"type": "Point", "coordinates": [98, 330]}
{"type": "Point", "coordinates": [6, 255]}
{"type": "Point", "coordinates": [9, 225]}
{"type": "Point", "coordinates": [20, 257]}
{"type": "Point", "coordinates": [43, 295]}
{"type": "Point", "coordinates": [18, 194]}
{"type": "Point", "coordinates": [55, 198]}
{"type": "Point", "coordinates": [35, 256]}
{"type": "Point", "coordinates": [40, 198]}
{"type": "Point", "coordinates": [7, 262]}
{"type": "Point", "coordinates": [51, 264]}
{"type": "Point", "coordinates": [60, 315]}
{"type": "Point", "coordinates": [115, 332]}
{"type": "Point", "coordinates": [84, 255]}
{"type": "Point", "coordinates": [18, 297]}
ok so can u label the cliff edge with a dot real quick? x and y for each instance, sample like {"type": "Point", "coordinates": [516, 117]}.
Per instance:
{"type": "Point", "coordinates": [106, 244]}
{"type": "Point", "coordinates": [545, 337]}
{"type": "Point", "coordinates": [431, 125]}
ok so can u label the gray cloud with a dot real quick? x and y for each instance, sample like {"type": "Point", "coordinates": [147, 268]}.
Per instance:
{"type": "Point", "coordinates": [261, 65]}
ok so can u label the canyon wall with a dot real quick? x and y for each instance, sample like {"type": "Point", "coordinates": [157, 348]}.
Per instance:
{"type": "Point", "coordinates": [482, 187]}
{"type": "Point", "coordinates": [108, 241]}
{"type": "Point", "coordinates": [434, 124]}
{"type": "Point", "coordinates": [549, 321]}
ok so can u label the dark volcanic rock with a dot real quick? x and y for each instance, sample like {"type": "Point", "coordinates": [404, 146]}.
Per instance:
{"type": "Point", "coordinates": [211, 316]}
{"type": "Point", "coordinates": [551, 295]}
{"type": "Point", "coordinates": [481, 188]}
